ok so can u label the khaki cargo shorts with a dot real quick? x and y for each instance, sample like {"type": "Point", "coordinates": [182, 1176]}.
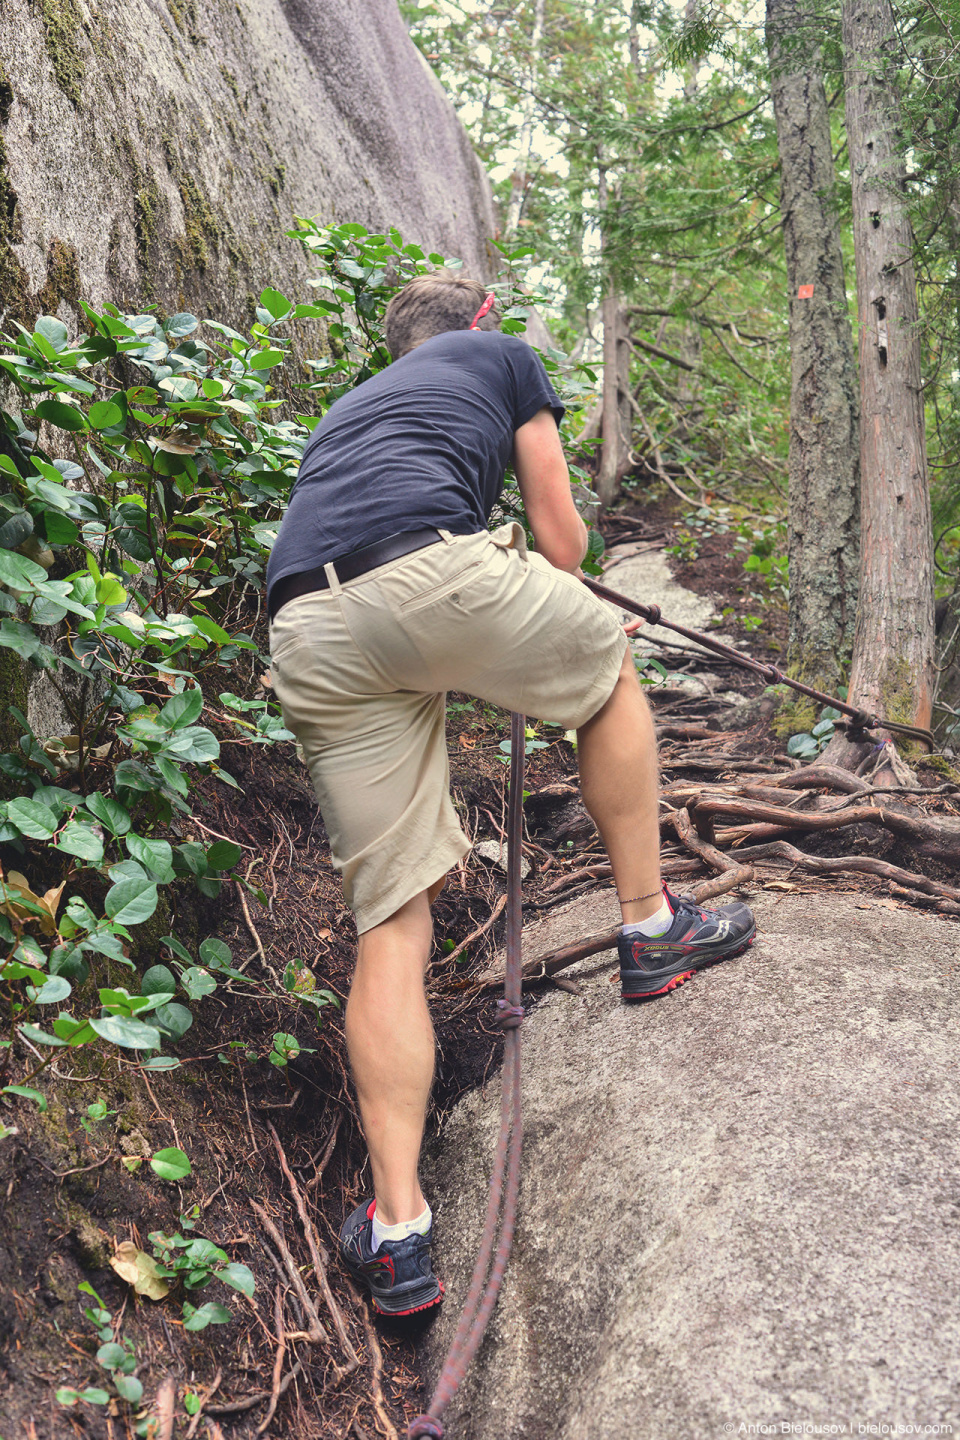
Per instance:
{"type": "Point", "coordinates": [361, 672]}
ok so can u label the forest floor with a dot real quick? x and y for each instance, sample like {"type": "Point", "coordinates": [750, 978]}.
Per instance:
{"type": "Point", "coordinates": [275, 1151]}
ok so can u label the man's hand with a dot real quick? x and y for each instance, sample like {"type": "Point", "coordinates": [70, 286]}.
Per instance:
{"type": "Point", "coordinates": [544, 481]}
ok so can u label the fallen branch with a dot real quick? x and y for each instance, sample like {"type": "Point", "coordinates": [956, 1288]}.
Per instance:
{"type": "Point", "coordinates": [857, 864]}
{"type": "Point", "coordinates": [554, 960]}
{"type": "Point", "coordinates": [928, 836]}
{"type": "Point", "coordinates": [313, 1243]}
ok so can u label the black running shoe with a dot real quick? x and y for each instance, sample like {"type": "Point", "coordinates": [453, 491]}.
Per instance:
{"type": "Point", "coordinates": [697, 937]}
{"type": "Point", "coordinates": [399, 1275]}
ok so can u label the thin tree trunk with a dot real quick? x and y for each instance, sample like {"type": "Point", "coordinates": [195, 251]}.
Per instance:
{"type": "Point", "coordinates": [614, 453]}
{"type": "Point", "coordinates": [518, 186]}
{"type": "Point", "coordinates": [892, 670]}
{"type": "Point", "coordinates": [823, 497]}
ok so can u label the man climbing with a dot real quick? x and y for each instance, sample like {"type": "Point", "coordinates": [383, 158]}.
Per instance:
{"type": "Point", "coordinates": [385, 591]}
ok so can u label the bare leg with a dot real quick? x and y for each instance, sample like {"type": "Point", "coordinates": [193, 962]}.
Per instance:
{"type": "Point", "coordinates": [390, 1042]}
{"type": "Point", "coordinates": [617, 754]}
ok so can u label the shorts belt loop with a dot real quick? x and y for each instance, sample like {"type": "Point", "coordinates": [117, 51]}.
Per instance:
{"type": "Point", "coordinates": [445, 535]}
{"type": "Point", "coordinates": [332, 578]}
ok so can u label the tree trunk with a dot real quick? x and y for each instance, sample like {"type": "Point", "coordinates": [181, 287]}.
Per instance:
{"type": "Point", "coordinates": [823, 497]}
{"type": "Point", "coordinates": [518, 185]}
{"type": "Point", "coordinates": [617, 414]}
{"type": "Point", "coordinates": [893, 669]}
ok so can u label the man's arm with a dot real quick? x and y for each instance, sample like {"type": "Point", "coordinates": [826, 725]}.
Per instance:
{"type": "Point", "coordinates": [544, 480]}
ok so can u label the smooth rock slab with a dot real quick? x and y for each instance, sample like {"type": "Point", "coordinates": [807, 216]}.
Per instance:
{"type": "Point", "coordinates": [741, 1204]}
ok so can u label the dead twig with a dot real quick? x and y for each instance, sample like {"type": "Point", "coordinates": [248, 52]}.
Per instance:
{"type": "Point", "coordinates": [327, 1152]}
{"type": "Point", "coordinates": [277, 1362]}
{"type": "Point", "coordinates": [237, 1407]}
{"type": "Point", "coordinates": [165, 1401]}
{"type": "Point", "coordinates": [376, 1372]}
{"type": "Point", "coordinates": [494, 915]}
{"type": "Point", "coordinates": [320, 1270]}
{"type": "Point", "coordinates": [316, 1334]}
{"type": "Point", "coordinates": [204, 1396]}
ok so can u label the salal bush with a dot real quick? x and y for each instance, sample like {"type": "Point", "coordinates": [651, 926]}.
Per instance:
{"type": "Point", "coordinates": [145, 465]}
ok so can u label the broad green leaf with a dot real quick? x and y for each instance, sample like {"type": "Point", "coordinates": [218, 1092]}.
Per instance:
{"type": "Point", "coordinates": [183, 323]}
{"type": "Point", "coordinates": [212, 1313]}
{"type": "Point", "coordinates": [130, 1033]}
{"type": "Point", "coordinates": [28, 1094]}
{"type": "Point", "coordinates": [52, 991]}
{"type": "Point", "coordinates": [215, 953]}
{"type": "Point", "coordinates": [171, 1164]}
{"type": "Point", "coordinates": [20, 573]}
{"type": "Point", "coordinates": [53, 331]}
{"type": "Point", "coordinates": [32, 818]}
{"type": "Point", "coordinates": [109, 812]}
{"type": "Point", "coordinates": [196, 745]}
{"type": "Point", "coordinates": [155, 855]}
{"type": "Point", "coordinates": [74, 1032]}
{"type": "Point", "coordinates": [176, 1019]}
{"type": "Point", "coordinates": [111, 1356]}
{"type": "Point", "coordinates": [36, 1036]}
{"type": "Point", "coordinates": [171, 772]}
{"type": "Point", "coordinates": [17, 527]}
{"type": "Point", "coordinates": [239, 1277]}
{"type": "Point", "coordinates": [211, 629]}
{"type": "Point", "coordinates": [176, 948]}
{"type": "Point", "coordinates": [65, 417]}
{"type": "Point", "coordinates": [197, 982]}
{"type": "Point", "coordinates": [131, 901]}
{"type": "Point", "coordinates": [277, 304]}
{"type": "Point", "coordinates": [104, 414]}
{"type": "Point", "coordinates": [82, 841]}
{"type": "Point", "coordinates": [266, 359]}
{"type": "Point", "coordinates": [223, 855]}
{"type": "Point", "coordinates": [158, 980]}
{"type": "Point", "coordinates": [181, 710]}
{"type": "Point", "coordinates": [129, 1388]}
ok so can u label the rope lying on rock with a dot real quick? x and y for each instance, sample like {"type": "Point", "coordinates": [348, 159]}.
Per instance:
{"type": "Point", "coordinates": [505, 1181]}
{"type": "Point", "coordinates": [860, 720]}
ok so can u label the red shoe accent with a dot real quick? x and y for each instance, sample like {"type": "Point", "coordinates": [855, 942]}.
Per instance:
{"type": "Point", "coordinates": [670, 985]}
{"type": "Point", "coordinates": [390, 1314]}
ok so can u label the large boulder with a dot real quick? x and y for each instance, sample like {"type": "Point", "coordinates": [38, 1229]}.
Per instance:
{"type": "Point", "coordinates": [740, 1205]}
{"type": "Point", "coordinates": [157, 150]}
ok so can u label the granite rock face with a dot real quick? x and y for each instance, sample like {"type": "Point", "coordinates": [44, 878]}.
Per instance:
{"type": "Point", "coordinates": [740, 1205]}
{"type": "Point", "coordinates": [157, 150]}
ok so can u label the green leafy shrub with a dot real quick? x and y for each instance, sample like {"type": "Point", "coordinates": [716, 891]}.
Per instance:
{"type": "Point", "coordinates": [144, 471]}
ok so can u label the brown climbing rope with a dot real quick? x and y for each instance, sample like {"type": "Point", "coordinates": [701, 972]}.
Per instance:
{"type": "Point", "coordinates": [860, 721]}
{"type": "Point", "coordinates": [505, 1181]}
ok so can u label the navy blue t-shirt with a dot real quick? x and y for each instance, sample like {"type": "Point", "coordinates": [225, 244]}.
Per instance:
{"type": "Point", "coordinates": [424, 443]}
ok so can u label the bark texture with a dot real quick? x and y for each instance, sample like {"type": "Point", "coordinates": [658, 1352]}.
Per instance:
{"type": "Point", "coordinates": [157, 150]}
{"type": "Point", "coordinates": [616, 422]}
{"type": "Point", "coordinates": [823, 497]}
{"type": "Point", "coordinates": [892, 668]}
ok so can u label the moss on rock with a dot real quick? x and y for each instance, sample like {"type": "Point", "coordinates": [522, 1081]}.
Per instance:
{"type": "Point", "coordinates": [61, 29]}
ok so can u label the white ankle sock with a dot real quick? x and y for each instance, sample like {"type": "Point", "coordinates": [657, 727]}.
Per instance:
{"type": "Point", "coordinates": [420, 1226]}
{"type": "Point", "coordinates": [654, 925]}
